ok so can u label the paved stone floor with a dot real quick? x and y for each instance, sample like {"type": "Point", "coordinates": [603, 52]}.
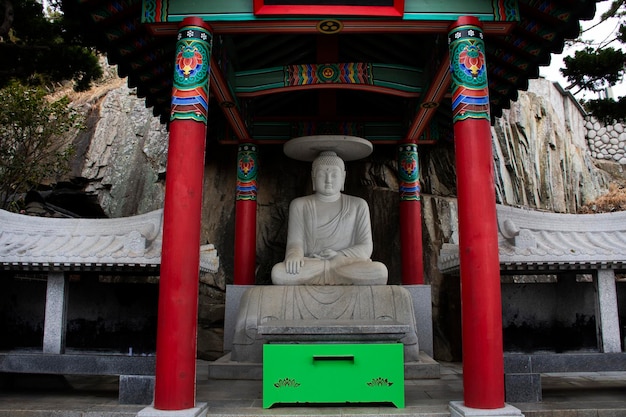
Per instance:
{"type": "Point", "coordinates": [577, 395]}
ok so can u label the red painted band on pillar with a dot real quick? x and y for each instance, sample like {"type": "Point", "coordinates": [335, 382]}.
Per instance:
{"type": "Point", "coordinates": [245, 242]}
{"type": "Point", "coordinates": [180, 260]}
{"type": "Point", "coordinates": [411, 242]}
{"type": "Point", "coordinates": [483, 363]}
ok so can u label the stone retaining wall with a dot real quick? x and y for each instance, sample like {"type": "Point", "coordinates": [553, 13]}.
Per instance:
{"type": "Point", "coordinates": [606, 142]}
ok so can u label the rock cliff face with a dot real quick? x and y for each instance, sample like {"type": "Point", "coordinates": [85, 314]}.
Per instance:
{"type": "Point", "coordinates": [541, 161]}
{"type": "Point", "coordinates": [541, 155]}
{"type": "Point", "coordinates": [122, 156]}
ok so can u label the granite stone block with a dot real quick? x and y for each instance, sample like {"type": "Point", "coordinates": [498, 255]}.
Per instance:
{"type": "Point", "coordinates": [85, 364]}
{"type": "Point", "coordinates": [55, 313]}
{"type": "Point", "coordinates": [233, 297]}
{"type": "Point", "coordinates": [607, 311]}
{"type": "Point", "coordinates": [523, 388]}
{"type": "Point", "coordinates": [517, 363]}
{"type": "Point", "coordinates": [422, 304]}
{"type": "Point", "coordinates": [136, 389]}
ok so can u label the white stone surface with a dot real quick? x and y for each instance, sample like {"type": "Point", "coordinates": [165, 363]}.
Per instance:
{"type": "Point", "coordinates": [329, 234]}
{"type": "Point", "coordinates": [307, 148]}
{"type": "Point", "coordinates": [542, 240]}
{"type": "Point", "coordinates": [200, 410]}
{"type": "Point", "coordinates": [458, 409]}
{"type": "Point", "coordinates": [64, 244]}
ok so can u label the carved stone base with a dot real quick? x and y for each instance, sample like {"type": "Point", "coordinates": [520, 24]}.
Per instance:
{"type": "Point", "coordinates": [300, 307]}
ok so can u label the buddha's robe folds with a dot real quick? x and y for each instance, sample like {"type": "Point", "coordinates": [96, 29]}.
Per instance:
{"type": "Point", "coordinates": [376, 303]}
{"type": "Point", "coordinates": [348, 233]}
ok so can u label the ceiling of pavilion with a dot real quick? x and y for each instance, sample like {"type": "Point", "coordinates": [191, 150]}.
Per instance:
{"type": "Point", "coordinates": [412, 54]}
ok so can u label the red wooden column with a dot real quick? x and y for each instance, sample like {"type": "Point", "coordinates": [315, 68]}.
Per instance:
{"type": "Point", "coordinates": [483, 363]}
{"type": "Point", "coordinates": [245, 215]}
{"type": "Point", "coordinates": [175, 385]}
{"type": "Point", "coordinates": [410, 215]}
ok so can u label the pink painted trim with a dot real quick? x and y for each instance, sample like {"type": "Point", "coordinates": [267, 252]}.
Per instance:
{"type": "Point", "coordinates": [397, 10]}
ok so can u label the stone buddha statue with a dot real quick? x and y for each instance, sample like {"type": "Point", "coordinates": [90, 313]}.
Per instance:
{"type": "Point", "coordinates": [329, 237]}
{"type": "Point", "coordinates": [327, 275]}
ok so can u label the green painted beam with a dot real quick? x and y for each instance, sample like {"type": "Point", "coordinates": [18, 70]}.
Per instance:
{"type": "Point", "coordinates": [259, 80]}
{"type": "Point", "coordinates": [397, 77]}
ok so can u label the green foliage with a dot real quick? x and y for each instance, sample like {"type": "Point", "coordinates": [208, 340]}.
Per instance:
{"type": "Point", "coordinates": [607, 110]}
{"type": "Point", "coordinates": [31, 133]}
{"type": "Point", "coordinates": [40, 49]}
{"type": "Point", "coordinates": [596, 68]}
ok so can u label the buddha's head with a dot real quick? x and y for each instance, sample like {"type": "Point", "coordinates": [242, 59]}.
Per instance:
{"type": "Point", "coordinates": [328, 174]}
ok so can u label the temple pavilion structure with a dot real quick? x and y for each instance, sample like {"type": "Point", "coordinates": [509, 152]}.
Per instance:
{"type": "Point", "coordinates": [401, 73]}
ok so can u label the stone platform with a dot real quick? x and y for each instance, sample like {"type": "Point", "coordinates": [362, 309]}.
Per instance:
{"type": "Point", "coordinates": [135, 374]}
{"type": "Point", "coordinates": [571, 395]}
{"type": "Point", "coordinates": [523, 372]}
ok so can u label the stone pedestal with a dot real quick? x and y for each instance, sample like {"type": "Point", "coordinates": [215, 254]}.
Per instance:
{"type": "Point", "coordinates": [200, 410]}
{"type": "Point", "coordinates": [457, 409]}
{"type": "Point", "coordinates": [422, 305]}
{"type": "Point", "coordinates": [423, 368]}
{"type": "Point", "coordinates": [365, 305]}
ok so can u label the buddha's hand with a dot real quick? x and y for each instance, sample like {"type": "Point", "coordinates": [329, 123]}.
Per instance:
{"type": "Point", "coordinates": [326, 254]}
{"type": "Point", "coordinates": [293, 264]}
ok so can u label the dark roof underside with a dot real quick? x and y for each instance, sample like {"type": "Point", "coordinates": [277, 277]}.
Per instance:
{"type": "Point", "coordinates": [512, 58]}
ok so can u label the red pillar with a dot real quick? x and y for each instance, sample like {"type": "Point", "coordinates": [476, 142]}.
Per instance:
{"type": "Point", "coordinates": [245, 215]}
{"type": "Point", "coordinates": [175, 385]}
{"type": "Point", "coordinates": [410, 215]}
{"type": "Point", "coordinates": [483, 363]}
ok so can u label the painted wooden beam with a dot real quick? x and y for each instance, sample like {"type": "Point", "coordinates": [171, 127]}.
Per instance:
{"type": "Point", "coordinates": [438, 88]}
{"type": "Point", "coordinates": [228, 103]}
{"type": "Point", "coordinates": [395, 80]}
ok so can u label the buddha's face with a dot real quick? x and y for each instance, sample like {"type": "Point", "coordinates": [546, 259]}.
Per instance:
{"type": "Point", "coordinates": [328, 180]}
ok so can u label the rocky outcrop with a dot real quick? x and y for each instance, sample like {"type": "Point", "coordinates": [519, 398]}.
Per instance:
{"type": "Point", "coordinates": [541, 155]}
{"type": "Point", "coordinates": [122, 155]}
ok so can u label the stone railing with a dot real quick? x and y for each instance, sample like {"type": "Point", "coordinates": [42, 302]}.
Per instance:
{"type": "Point", "coordinates": [606, 142]}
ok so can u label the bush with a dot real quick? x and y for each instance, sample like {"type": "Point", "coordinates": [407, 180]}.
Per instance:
{"type": "Point", "coordinates": [31, 139]}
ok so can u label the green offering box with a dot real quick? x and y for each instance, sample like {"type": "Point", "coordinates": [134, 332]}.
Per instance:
{"type": "Point", "coordinates": [333, 373]}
